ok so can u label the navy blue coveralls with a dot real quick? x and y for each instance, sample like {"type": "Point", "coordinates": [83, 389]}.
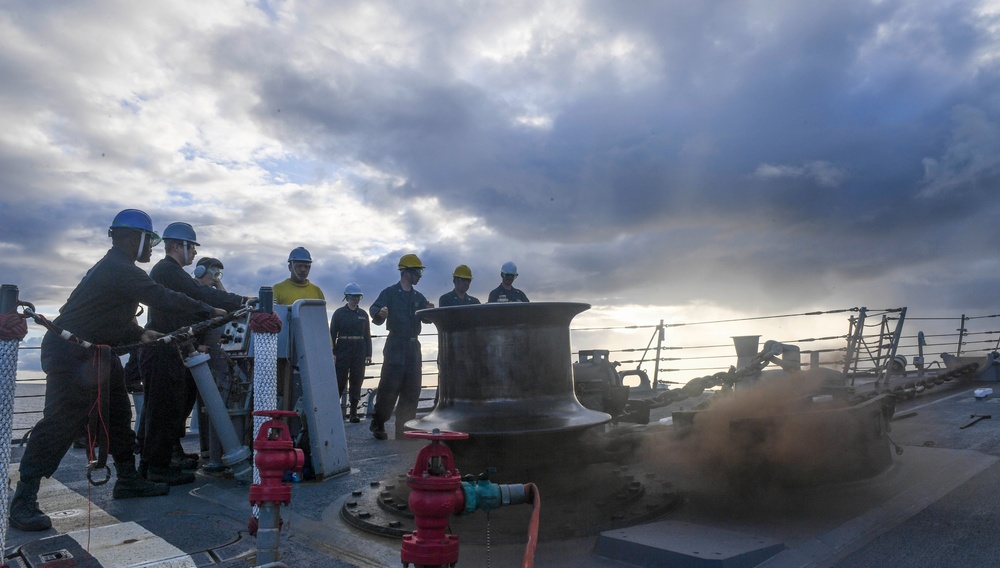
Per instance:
{"type": "Point", "coordinates": [452, 299]}
{"type": "Point", "coordinates": [169, 388]}
{"type": "Point", "coordinates": [400, 377]}
{"type": "Point", "coordinates": [102, 310]}
{"type": "Point", "coordinates": [512, 295]}
{"type": "Point", "coordinates": [352, 346]}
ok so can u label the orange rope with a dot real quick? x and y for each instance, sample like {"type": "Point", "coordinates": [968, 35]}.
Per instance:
{"type": "Point", "coordinates": [536, 509]}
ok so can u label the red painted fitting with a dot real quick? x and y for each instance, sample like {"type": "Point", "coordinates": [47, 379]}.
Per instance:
{"type": "Point", "coordinates": [435, 495]}
{"type": "Point", "coordinates": [276, 454]}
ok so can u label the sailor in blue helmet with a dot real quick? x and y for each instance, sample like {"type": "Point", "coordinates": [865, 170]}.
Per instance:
{"type": "Point", "coordinates": [506, 292]}
{"type": "Point", "coordinates": [170, 390]}
{"type": "Point", "coordinates": [100, 310]}
{"type": "Point", "coordinates": [400, 378]}
{"type": "Point", "coordinates": [297, 286]}
{"type": "Point", "coordinates": [352, 346]}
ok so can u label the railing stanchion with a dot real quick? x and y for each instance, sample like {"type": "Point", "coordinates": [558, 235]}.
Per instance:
{"type": "Point", "coordinates": [961, 336]}
{"type": "Point", "coordinates": [659, 347]}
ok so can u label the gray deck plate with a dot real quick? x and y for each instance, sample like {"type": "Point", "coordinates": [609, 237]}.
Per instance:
{"type": "Point", "coordinates": [685, 545]}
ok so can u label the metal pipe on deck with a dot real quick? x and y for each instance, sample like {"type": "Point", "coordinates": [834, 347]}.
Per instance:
{"type": "Point", "coordinates": [236, 455]}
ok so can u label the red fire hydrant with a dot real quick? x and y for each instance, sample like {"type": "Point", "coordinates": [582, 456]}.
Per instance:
{"type": "Point", "coordinates": [275, 454]}
{"type": "Point", "coordinates": [435, 495]}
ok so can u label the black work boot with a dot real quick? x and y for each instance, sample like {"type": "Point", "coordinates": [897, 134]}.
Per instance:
{"type": "Point", "coordinates": [171, 475]}
{"type": "Point", "coordinates": [130, 485]}
{"type": "Point", "coordinates": [354, 413]}
{"type": "Point", "coordinates": [378, 430]}
{"type": "Point", "coordinates": [24, 512]}
{"type": "Point", "coordinates": [183, 460]}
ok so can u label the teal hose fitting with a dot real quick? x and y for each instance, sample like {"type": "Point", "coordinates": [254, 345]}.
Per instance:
{"type": "Point", "coordinates": [483, 494]}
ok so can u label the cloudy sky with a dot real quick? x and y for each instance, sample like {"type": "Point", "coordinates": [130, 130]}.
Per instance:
{"type": "Point", "coordinates": [758, 156]}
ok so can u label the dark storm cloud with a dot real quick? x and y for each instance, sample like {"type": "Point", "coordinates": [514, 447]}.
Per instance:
{"type": "Point", "coordinates": [749, 154]}
{"type": "Point", "coordinates": [792, 145]}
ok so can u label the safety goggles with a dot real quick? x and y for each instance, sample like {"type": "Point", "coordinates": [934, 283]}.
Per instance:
{"type": "Point", "coordinates": [417, 271]}
{"type": "Point", "coordinates": [154, 239]}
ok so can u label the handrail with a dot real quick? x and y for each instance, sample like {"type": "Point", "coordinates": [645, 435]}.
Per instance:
{"type": "Point", "coordinates": [693, 344]}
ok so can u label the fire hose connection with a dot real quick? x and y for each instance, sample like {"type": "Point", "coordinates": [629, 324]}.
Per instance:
{"type": "Point", "coordinates": [484, 495]}
{"type": "Point", "coordinates": [276, 453]}
{"type": "Point", "coordinates": [437, 492]}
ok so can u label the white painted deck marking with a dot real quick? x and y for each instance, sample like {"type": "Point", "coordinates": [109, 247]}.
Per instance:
{"type": "Point", "coordinates": [110, 541]}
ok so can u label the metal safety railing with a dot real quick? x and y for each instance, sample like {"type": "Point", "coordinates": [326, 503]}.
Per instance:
{"type": "Point", "coordinates": [872, 343]}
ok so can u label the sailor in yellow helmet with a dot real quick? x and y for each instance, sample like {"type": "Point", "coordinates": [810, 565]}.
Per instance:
{"type": "Point", "coordinates": [459, 296]}
{"type": "Point", "coordinates": [396, 307]}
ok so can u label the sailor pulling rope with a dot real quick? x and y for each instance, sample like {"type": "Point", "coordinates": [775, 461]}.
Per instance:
{"type": "Point", "coordinates": [100, 371]}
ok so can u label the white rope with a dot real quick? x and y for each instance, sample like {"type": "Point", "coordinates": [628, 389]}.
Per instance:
{"type": "Point", "coordinates": [265, 386]}
{"type": "Point", "coordinates": [8, 380]}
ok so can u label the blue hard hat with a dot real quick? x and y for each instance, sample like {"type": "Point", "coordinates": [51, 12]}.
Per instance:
{"type": "Point", "coordinates": [352, 289]}
{"type": "Point", "coordinates": [133, 219]}
{"type": "Point", "coordinates": [508, 268]}
{"type": "Point", "coordinates": [299, 254]}
{"type": "Point", "coordinates": [137, 220]}
{"type": "Point", "coordinates": [181, 232]}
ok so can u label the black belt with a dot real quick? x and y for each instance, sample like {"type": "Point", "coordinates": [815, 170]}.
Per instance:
{"type": "Point", "coordinates": [350, 337]}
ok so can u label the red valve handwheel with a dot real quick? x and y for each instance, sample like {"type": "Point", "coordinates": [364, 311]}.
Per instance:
{"type": "Point", "coordinates": [436, 435]}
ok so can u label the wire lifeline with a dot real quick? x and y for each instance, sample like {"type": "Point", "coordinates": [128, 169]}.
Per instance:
{"type": "Point", "coordinates": [771, 317]}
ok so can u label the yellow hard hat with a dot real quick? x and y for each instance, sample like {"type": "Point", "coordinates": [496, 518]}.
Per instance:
{"type": "Point", "coordinates": [462, 271]}
{"type": "Point", "coordinates": [410, 261]}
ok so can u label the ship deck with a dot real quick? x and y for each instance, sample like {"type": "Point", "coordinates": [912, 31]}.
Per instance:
{"type": "Point", "coordinates": [935, 506]}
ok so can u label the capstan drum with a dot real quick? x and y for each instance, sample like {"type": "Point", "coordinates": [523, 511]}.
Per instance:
{"type": "Point", "coordinates": [506, 369]}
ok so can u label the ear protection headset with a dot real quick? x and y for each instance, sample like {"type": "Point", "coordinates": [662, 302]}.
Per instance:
{"type": "Point", "coordinates": [200, 270]}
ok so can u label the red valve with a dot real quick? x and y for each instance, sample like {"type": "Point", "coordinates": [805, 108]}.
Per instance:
{"type": "Point", "coordinates": [435, 495]}
{"type": "Point", "coordinates": [276, 453]}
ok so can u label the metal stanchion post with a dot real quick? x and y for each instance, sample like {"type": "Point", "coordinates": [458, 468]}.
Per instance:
{"type": "Point", "coordinates": [13, 328]}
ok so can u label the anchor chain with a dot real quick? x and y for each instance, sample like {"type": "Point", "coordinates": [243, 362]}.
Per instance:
{"type": "Point", "coordinates": [727, 379]}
